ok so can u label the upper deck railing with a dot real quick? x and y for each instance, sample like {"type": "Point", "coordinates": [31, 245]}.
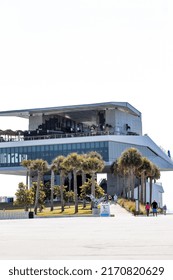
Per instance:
{"type": "Point", "coordinates": [23, 137]}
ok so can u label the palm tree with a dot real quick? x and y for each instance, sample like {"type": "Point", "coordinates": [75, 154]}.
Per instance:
{"type": "Point", "coordinates": [93, 163]}
{"type": "Point", "coordinates": [58, 167]}
{"type": "Point", "coordinates": [117, 170]}
{"type": "Point", "coordinates": [73, 163]}
{"type": "Point", "coordinates": [94, 154]}
{"type": "Point", "coordinates": [83, 172]}
{"type": "Point", "coordinates": [27, 163]}
{"type": "Point", "coordinates": [153, 174]}
{"type": "Point", "coordinates": [52, 182]}
{"type": "Point", "coordinates": [142, 170]}
{"type": "Point", "coordinates": [40, 166]}
{"type": "Point", "coordinates": [130, 160]}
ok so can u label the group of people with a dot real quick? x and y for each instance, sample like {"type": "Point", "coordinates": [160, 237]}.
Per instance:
{"type": "Point", "coordinates": [154, 207]}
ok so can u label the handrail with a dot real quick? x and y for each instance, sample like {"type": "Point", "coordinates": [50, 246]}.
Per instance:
{"type": "Point", "coordinates": [58, 135]}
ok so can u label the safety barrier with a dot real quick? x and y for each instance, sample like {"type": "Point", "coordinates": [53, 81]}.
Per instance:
{"type": "Point", "coordinates": [4, 215]}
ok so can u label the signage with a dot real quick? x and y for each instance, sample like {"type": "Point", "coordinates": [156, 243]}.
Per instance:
{"type": "Point", "coordinates": [104, 210]}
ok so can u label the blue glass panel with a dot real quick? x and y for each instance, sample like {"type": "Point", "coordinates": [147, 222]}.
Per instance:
{"type": "Point", "coordinates": [73, 146]}
{"type": "Point", "coordinates": [82, 145]}
{"type": "Point", "coordinates": [59, 147]}
{"type": "Point", "coordinates": [87, 145]}
{"type": "Point", "coordinates": [78, 146]}
{"type": "Point", "coordinates": [92, 145]}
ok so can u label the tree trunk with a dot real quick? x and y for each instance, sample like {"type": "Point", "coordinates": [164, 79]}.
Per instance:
{"type": "Point", "coordinates": [93, 184]}
{"type": "Point", "coordinates": [37, 193]}
{"type": "Point", "coordinates": [61, 192]}
{"type": "Point", "coordinates": [145, 191]}
{"type": "Point", "coordinates": [142, 187]}
{"type": "Point", "coordinates": [26, 207]}
{"type": "Point", "coordinates": [151, 193]}
{"type": "Point", "coordinates": [27, 179]}
{"type": "Point", "coordinates": [124, 187]}
{"type": "Point", "coordinates": [132, 185]}
{"type": "Point", "coordinates": [83, 178]}
{"type": "Point", "coordinates": [75, 190]}
{"type": "Point", "coordinates": [93, 188]}
{"type": "Point", "coordinates": [128, 188]}
{"type": "Point", "coordinates": [52, 190]}
{"type": "Point", "coordinates": [70, 180]}
{"type": "Point", "coordinates": [83, 182]}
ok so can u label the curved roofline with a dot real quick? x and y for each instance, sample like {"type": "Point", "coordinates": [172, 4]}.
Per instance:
{"type": "Point", "coordinates": [25, 113]}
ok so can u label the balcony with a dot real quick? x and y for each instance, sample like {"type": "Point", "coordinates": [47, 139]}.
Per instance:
{"type": "Point", "coordinates": [29, 135]}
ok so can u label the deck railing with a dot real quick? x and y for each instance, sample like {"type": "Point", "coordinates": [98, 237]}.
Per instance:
{"type": "Point", "coordinates": [58, 135]}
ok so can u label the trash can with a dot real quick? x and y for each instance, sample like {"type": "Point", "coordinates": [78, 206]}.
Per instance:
{"type": "Point", "coordinates": [95, 211]}
{"type": "Point", "coordinates": [31, 215]}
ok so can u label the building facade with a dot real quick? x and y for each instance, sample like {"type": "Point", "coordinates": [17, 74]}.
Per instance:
{"type": "Point", "coordinates": [108, 128]}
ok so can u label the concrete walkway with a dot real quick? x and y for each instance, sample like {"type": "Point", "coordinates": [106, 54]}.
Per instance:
{"type": "Point", "coordinates": [119, 211]}
{"type": "Point", "coordinates": [122, 237]}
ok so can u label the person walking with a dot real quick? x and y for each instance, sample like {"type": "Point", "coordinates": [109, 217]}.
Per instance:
{"type": "Point", "coordinates": [164, 209]}
{"type": "Point", "coordinates": [154, 206]}
{"type": "Point", "coordinates": [147, 208]}
{"type": "Point", "coordinates": [115, 198]}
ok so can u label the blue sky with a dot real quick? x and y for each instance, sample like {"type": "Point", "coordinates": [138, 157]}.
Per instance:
{"type": "Point", "coordinates": [71, 52]}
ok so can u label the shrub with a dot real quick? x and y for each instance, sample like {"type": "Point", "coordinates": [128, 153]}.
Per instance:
{"type": "Point", "coordinates": [130, 206]}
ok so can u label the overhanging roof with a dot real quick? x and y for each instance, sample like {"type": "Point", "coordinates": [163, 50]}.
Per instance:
{"type": "Point", "coordinates": [88, 109]}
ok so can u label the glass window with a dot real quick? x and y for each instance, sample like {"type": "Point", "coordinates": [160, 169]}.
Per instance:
{"type": "Point", "coordinates": [29, 149]}
{"type": "Point", "coordinates": [64, 147]}
{"type": "Point", "coordinates": [82, 145]}
{"type": "Point", "coordinates": [38, 148]}
{"type": "Point", "coordinates": [42, 148]}
{"type": "Point", "coordinates": [106, 144]}
{"type": "Point", "coordinates": [25, 149]}
{"type": "Point", "coordinates": [33, 148]}
{"type": "Point", "coordinates": [92, 145]}
{"type": "Point", "coordinates": [68, 147]}
{"type": "Point", "coordinates": [97, 144]}
{"type": "Point", "coordinates": [51, 147]}
{"type": "Point", "coordinates": [78, 146]}
{"type": "Point", "coordinates": [101, 144]}
{"type": "Point", "coordinates": [73, 146]}
{"type": "Point", "coordinates": [59, 147]}
{"type": "Point", "coordinates": [8, 151]}
{"type": "Point", "coordinates": [87, 145]}
{"type": "Point", "coordinates": [46, 147]}
{"type": "Point", "coordinates": [16, 157]}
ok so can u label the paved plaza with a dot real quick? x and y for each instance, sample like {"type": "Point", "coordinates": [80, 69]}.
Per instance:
{"type": "Point", "coordinates": [123, 236]}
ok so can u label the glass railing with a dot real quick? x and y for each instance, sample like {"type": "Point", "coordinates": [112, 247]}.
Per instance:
{"type": "Point", "coordinates": [28, 137]}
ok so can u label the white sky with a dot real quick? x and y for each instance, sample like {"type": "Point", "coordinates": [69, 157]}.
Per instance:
{"type": "Point", "coordinates": [72, 52]}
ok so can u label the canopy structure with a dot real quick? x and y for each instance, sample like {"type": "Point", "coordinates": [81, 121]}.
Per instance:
{"type": "Point", "coordinates": [87, 110]}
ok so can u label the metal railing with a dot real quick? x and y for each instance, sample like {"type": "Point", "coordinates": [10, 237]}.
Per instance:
{"type": "Point", "coordinates": [4, 215]}
{"type": "Point", "coordinates": [58, 135]}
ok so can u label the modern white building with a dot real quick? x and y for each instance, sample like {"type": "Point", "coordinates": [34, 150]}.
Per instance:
{"type": "Point", "coordinates": [157, 192]}
{"type": "Point", "coordinates": [108, 128]}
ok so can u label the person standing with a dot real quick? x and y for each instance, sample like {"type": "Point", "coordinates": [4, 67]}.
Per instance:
{"type": "Point", "coordinates": [154, 207]}
{"type": "Point", "coordinates": [115, 198]}
{"type": "Point", "coordinates": [147, 208]}
{"type": "Point", "coordinates": [164, 209]}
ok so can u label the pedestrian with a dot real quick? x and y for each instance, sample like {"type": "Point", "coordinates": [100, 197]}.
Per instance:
{"type": "Point", "coordinates": [154, 206]}
{"type": "Point", "coordinates": [164, 209]}
{"type": "Point", "coordinates": [115, 198]}
{"type": "Point", "coordinates": [147, 208]}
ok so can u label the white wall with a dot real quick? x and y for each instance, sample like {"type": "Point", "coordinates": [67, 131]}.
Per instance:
{"type": "Point", "coordinates": [157, 193]}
